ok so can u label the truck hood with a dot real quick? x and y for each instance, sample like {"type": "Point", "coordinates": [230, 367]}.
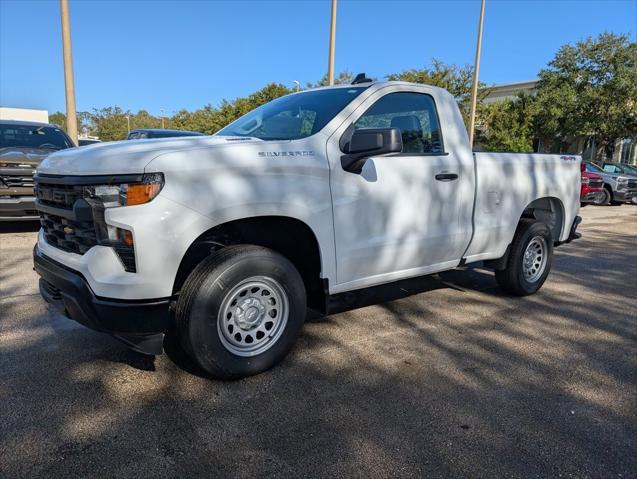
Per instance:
{"type": "Point", "coordinates": [15, 157]}
{"type": "Point", "coordinates": [128, 156]}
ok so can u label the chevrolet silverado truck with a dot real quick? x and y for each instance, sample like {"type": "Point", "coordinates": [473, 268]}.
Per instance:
{"type": "Point", "coordinates": [23, 145]}
{"type": "Point", "coordinates": [619, 188]}
{"type": "Point", "coordinates": [592, 186]}
{"type": "Point", "coordinates": [224, 241]}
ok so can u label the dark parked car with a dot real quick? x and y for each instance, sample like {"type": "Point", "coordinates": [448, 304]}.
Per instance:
{"type": "Point", "coordinates": [23, 145]}
{"type": "Point", "coordinates": [88, 141]}
{"type": "Point", "coordinates": [142, 134]}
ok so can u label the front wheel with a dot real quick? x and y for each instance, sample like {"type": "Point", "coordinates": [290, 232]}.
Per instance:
{"type": "Point", "coordinates": [529, 261]}
{"type": "Point", "coordinates": [240, 311]}
{"type": "Point", "coordinates": [604, 198]}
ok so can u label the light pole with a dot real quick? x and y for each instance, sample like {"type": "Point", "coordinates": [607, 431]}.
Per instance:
{"type": "Point", "coordinates": [162, 118]}
{"type": "Point", "coordinates": [298, 84]}
{"type": "Point", "coordinates": [71, 114]}
{"type": "Point", "coordinates": [476, 71]}
{"type": "Point", "coordinates": [128, 122]}
{"type": "Point", "coordinates": [330, 62]}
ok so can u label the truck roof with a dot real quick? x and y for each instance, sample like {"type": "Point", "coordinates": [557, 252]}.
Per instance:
{"type": "Point", "coordinates": [377, 84]}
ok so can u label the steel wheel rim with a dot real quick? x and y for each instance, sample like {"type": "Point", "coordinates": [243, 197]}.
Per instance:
{"type": "Point", "coordinates": [534, 259]}
{"type": "Point", "coordinates": [252, 316]}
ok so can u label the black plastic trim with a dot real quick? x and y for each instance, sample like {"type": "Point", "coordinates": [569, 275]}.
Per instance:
{"type": "Point", "coordinates": [88, 180]}
{"type": "Point", "coordinates": [69, 292]}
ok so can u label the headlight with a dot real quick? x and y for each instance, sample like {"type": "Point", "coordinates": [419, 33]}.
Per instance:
{"type": "Point", "coordinates": [101, 197]}
{"type": "Point", "coordinates": [128, 194]}
{"type": "Point", "coordinates": [585, 180]}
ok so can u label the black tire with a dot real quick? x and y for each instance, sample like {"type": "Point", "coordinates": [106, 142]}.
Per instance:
{"type": "Point", "coordinates": [512, 278]}
{"type": "Point", "coordinates": [606, 197]}
{"type": "Point", "coordinates": [198, 318]}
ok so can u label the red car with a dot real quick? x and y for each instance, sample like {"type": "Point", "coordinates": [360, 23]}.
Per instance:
{"type": "Point", "coordinates": [592, 186]}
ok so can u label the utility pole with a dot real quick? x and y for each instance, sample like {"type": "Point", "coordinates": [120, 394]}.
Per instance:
{"type": "Point", "coordinates": [330, 63]}
{"type": "Point", "coordinates": [476, 71]}
{"type": "Point", "coordinates": [162, 118]}
{"type": "Point", "coordinates": [71, 114]}
{"type": "Point", "coordinates": [128, 122]}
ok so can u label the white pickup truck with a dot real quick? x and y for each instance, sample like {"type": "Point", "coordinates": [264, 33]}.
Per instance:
{"type": "Point", "coordinates": [225, 240]}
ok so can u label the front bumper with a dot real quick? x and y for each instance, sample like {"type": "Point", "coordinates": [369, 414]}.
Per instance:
{"type": "Point", "coordinates": [139, 323]}
{"type": "Point", "coordinates": [18, 208]}
{"type": "Point", "coordinates": [624, 195]}
{"type": "Point", "coordinates": [590, 195]}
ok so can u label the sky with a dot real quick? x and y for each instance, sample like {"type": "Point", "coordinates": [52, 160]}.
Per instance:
{"type": "Point", "coordinates": [169, 55]}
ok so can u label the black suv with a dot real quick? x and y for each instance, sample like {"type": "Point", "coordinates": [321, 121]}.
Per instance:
{"type": "Point", "coordinates": [23, 145]}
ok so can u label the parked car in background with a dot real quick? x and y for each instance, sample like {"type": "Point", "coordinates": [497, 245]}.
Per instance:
{"type": "Point", "coordinates": [142, 134]}
{"type": "Point", "coordinates": [592, 186]}
{"type": "Point", "coordinates": [87, 141]}
{"type": "Point", "coordinates": [23, 145]}
{"type": "Point", "coordinates": [619, 188]}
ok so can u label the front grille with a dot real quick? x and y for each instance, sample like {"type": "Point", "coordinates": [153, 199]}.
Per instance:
{"type": "Point", "coordinates": [17, 181]}
{"type": "Point", "coordinates": [64, 230]}
{"type": "Point", "coordinates": [68, 235]}
{"type": "Point", "coordinates": [68, 221]}
{"type": "Point", "coordinates": [630, 184]}
{"type": "Point", "coordinates": [595, 183]}
{"type": "Point", "coordinates": [59, 196]}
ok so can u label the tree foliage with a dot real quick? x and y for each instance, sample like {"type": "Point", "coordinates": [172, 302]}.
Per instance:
{"type": "Point", "coordinates": [343, 78]}
{"type": "Point", "coordinates": [589, 89]}
{"type": "Point", "coordinates": [457, 80]}
{"type": "Point", "coordinates": [506, 125]}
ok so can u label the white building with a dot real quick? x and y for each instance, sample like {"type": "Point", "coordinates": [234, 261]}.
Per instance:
{"type": "Point", "coordinates": [24, 114]}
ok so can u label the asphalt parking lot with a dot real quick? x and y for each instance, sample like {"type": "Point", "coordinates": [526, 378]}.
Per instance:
{"type": "Point", "coordinates": [457, 380]}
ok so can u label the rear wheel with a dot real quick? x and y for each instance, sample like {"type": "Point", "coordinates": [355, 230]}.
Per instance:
{"type": "Point", "coordinates": [529, 261]}
{"type": "Point", "coordinates": [240, 311]}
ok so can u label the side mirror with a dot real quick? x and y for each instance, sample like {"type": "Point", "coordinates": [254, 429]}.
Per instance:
{"type": "Point", "coordinates": [368, 142]}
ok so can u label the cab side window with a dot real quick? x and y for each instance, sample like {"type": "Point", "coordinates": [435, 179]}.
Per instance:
{"type": "Point", "coordinates": [414, 114]}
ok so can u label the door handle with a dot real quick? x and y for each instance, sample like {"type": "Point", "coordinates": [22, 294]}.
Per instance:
{"type": "Point", "coordinates": [446, 176]}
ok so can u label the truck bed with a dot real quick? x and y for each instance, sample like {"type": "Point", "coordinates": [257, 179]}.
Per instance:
{"type": "Point", "coordinates": [506, 182]}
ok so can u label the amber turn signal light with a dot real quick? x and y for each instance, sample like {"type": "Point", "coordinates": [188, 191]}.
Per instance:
{"type": "Point", "coordinates": [142, 193]}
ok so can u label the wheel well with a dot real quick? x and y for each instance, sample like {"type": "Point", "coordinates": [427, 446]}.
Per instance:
{"type": "Point", "coordinates": [549, 210]}
{"type": "Point", "coordinates": [288, 236]}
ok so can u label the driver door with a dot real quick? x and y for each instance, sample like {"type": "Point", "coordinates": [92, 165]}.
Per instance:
{"type": "Point", "coordinates": [400, 216]}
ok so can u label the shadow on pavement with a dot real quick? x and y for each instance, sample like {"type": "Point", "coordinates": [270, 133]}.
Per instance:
{"type": "Point", "coordinates": [461, 381]}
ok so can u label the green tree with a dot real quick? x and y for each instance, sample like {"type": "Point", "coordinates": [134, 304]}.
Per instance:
{"type": "Point", "coordinates": [110, 123]}
{"type": "Point", "coordinates": [506, 125]}
{"type": "Point", "coordinates": [83, 120]}
{"type": "Point", "coordinates": [455, 79]}
{"type": "Point", "coordinates": [343, 78]}
{"type": "Point", "coordinates": [210, 119]}
{"type": "Point", "coordinates": [59, 119]}
{"type": "Point", "coordinates": [589, 90]}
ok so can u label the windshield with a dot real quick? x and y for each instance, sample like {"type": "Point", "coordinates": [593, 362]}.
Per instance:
{"type": "Point", "coordinates": [594, 168]}
{"type": "Point", "coordinates": [293, 116]}
{"type": "Point", "coordinates": [33, 136]}
{"type": "Point", "coordinates": [629, 170]}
